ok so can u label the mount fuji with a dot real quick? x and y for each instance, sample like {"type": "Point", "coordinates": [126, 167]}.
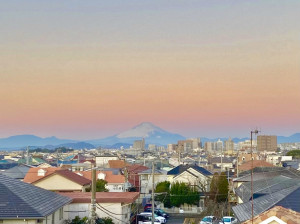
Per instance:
{"type": "Point", "coordinates": [151, 133]}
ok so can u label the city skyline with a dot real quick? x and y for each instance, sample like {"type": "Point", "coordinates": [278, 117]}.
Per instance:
{"type": "Point", "coordinates": [196, 68]}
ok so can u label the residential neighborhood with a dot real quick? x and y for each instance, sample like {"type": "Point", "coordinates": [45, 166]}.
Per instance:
{"type": "Point", "coordinates": [204, 182]}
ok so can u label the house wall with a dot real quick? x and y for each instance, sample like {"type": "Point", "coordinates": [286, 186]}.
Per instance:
{"type": "Point", "coordinates": [116, 211]}
{"type": "Point", "coordinates": [146, 182]}
{"type": "Point", "coordinates": [19, 221]}
{"type": "Point", "coordinates": [57, 182]}
{"type": "Point", "coordinates": [48, 220]}
{"type": "Point", "coordinates": [103, 161]}
{"type": "Point", "coordinates": [186, 177]}
{"type": "Point", "coordinates": [117, 187]}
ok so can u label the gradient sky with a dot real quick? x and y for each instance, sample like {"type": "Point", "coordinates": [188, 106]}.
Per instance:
{"type": "Point", "coordinates": [89, 69]}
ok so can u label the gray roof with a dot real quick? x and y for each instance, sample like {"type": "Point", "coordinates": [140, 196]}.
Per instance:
{"type": "Point", "coordinates": [17, 172]}
{"type": "Point", "coordinates": [218, 160]}
{"type": "Point", "coordinates": [149, 171]}
{"type": "Point", "coordinates": [260, 173]}
{"type": "Point", "coordinates": [265, 186]}
{"type": "Point", "coordinates": [261, 204]}
{"type": "Point", "coordinates": [20, 200]}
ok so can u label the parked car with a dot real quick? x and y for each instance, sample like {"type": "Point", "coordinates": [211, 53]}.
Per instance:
{"type": "Point", "coordinates": [149, 205]}
{"type": "Point", "coordinates": [209, 220]}
{"type": "Point", "coordinates": [145, 219]}
{"type": "Point", "coordinates": [228, 220]}
{"type": "Point", "coordinates": [159, 218]}
{"type": "Point", "coordinates": [158, 212]}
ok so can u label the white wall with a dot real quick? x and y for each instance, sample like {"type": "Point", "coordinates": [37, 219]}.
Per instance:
{"type": "Point", "coordinates": [116, 211]}
{"type": "Point", "coordinates": [47, 220]}
{"type": "Point", "coordinates": [116, 187]}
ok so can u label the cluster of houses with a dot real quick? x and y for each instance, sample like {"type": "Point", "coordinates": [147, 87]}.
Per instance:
{"type": "Point", "coordinates": [51, 190]}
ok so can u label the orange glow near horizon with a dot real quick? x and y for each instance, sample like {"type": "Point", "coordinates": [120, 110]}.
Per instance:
{"type": "Point", "coordinates": [100, 87]}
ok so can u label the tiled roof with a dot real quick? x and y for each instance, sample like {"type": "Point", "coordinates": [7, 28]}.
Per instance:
{"type": "Point", "coordinates": [265, 186]}
{"type": "Point", "coordinates": [32, 174]}
{"type": "Point", "coordinates": [119, 164]}
{"type": "Point", "coordinates": [136, 168]}
{"type": "Point", "coordinates": [181, 168]}
{"type": "Point", "coordinates": [256, 163]}
{"type": "Point", "coordinates": [17, 172]}
{"type": "Point", "coordinates": [110, 177]}
{"type": "Point", "coordinates": [288, 196]}
{"type": "Point", "coordinates": [218, 160]}
{"type": "Point", "coordinates": [102, 197]}
{"type": "Point", "coordinates": [267, 172]}
{"type": "Point", "coordinates": [286, 215]}
{"type": "Point", "coordinates": [70, 176]}
{"type": "Point", "coordinates": [20, 200]}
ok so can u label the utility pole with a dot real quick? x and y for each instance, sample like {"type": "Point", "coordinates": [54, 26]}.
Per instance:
{"type": "Point", "coordinates": [252, 204]}
{"type": "Point", "coordinates": [228, 196]}
{"type": "Point", "coordinates": [237, 163]}
{"type": "Point", "coordinates": [153, 193]}
{"type": "Point", "coordinates": [221, 159]}
{"type": "Point", "coordinates": [93, 199]}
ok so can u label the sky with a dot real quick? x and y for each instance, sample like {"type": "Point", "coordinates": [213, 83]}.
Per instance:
{"type": "Point", "coordinates": [90, 69]}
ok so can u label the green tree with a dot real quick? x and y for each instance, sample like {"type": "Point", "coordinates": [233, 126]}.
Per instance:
{"type": "Point", "coordinates": [163, 188]}
{"type": "Point", "coordinates": [219, 187]}
{"type": "Point", "coordinates": [294, 153]}
{"type": "Point", "coordinates": [222, 187]}
{"type": "Point", "coordinates": [183, 193]}
{"type": "Point", "coordinates": [106, 220]}
{"type": "Point", "coordinates": [214, 187]}
{"type": "Point", "coordinates": [100, 186]}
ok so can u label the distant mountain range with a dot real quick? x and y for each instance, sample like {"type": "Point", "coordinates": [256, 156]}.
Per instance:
{"type": "Point", "coordinates": [151, 133]}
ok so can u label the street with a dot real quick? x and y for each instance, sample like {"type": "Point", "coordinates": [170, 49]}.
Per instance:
{"type": "Point", "coordinates": [176, 219]}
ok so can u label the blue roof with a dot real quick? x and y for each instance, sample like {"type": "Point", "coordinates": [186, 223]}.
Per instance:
{"type": "Point", "coordinates": [20, 200]}
{"type": "Point", "coordinates": [181, 168]}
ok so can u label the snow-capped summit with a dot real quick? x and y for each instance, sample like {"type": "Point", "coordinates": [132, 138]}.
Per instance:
{"type": "Point", "coordinates": [143, 130]}
{"type": "Point", "coordinates": [151, 133]}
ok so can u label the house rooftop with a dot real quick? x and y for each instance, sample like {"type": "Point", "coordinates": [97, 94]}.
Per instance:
{"type": "Point", "coordinates": [286, 215]}
{"type": "Point", "coordinates": [110, 177]}
{"type": "Point", "coordinates": [288, 198]}
{"type": "Point", "coordinates": [265, 186]}
{"type": "Point", "coordinates": [181, 168]}
{"type": "Point", "coordinates": [17, 172]}
{"type": "Point", "coordinates": [102, 197]}
{"type": "Point", "coordinates": [119, 164]}
{"type": "Point", "coordinates": [20, 200]}
{"type": "Point", "coordinates": [70, 176]}
{"type": "Point", "coordinates": [256, 163]}
{"type": "Point", "coordinates": [32, 174]}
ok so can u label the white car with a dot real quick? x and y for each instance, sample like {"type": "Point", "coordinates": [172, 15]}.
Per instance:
{"type": "Point", "coordinates": [159, 218]}
{"type": "Point", "coordinates": [146, 219]}
{"type": "Point", "coordinates": [228, 220]}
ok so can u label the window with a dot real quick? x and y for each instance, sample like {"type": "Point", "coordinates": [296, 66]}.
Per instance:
{"type": "Point", "coordinates": [115, 187]}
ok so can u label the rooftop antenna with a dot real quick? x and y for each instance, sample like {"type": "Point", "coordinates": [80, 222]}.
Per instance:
{"type": "Point", "coordinates": [252, 204]}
